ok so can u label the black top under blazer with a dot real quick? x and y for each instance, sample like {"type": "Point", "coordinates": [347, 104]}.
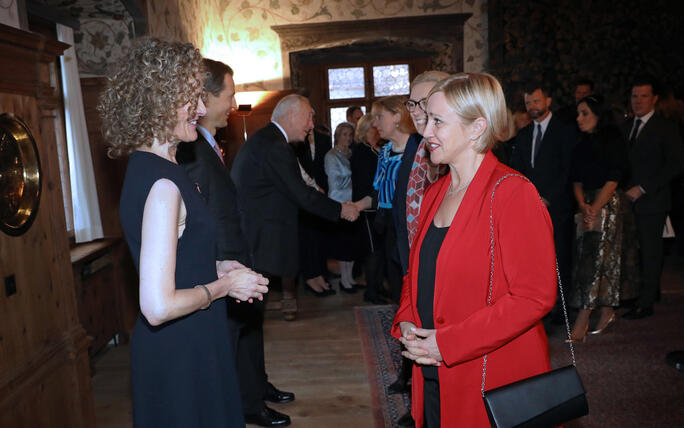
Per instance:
{"type": "Point", "coordinates": [551, 172]}
{"type": "Point", "coordinates": [655, 159]}
{"type": "Point", "coordinates": [315, 166]}
{"type": "Point", "coordinates": [213, 181]}
{"type": "Point", "coordinates": [270, 192]}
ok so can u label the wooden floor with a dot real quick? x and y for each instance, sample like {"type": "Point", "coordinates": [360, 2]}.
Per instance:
{"type": "Point", "coordinates": [318, 357]}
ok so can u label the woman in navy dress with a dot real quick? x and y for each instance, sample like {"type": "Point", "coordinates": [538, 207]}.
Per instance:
{"type": "Point", "coordinates": [182, 362]}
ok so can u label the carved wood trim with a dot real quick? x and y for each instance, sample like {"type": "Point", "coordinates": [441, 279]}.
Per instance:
{"type": "Point", "coordinates": [31, 54]}
{"type": "Point", "coordinates": [447, 28]}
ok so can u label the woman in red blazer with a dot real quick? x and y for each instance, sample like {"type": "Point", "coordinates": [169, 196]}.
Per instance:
{"type": "Point", "coordinates": [444, 319]}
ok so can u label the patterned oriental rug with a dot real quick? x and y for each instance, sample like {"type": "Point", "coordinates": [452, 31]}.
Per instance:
{"type": "Point", "coordinates": [383, 359]}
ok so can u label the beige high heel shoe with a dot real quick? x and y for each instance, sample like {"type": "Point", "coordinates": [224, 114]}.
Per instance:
{"type": "Point", "coordinates": [603, 329]}
{"type": "Point", "coordinates": [580, 339]}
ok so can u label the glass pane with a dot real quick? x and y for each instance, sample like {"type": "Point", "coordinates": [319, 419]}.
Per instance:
{"type": "Point", "coordinates": [391, 80]}
{"type": "Point", "coordinates": [339, 115]}
{"type": "Point", "coordinates": [346, 83]}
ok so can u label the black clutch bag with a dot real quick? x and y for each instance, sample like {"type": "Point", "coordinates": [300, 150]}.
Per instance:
{"type": "Point", "coordinates": [545, 400]}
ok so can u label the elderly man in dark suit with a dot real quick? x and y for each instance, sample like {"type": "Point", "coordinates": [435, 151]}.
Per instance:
{"type": "Point", "coordinates": [203, 161]}
{"type": "Point", "coordinates": [543, 153]}
{"type": "Point", "coordinates": [271, 191]}
{"type": "Point", "coordinates": [655, 159]}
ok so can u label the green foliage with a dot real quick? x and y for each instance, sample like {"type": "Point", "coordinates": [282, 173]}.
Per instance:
{"type": "Point", "coordinates": [358, 13]}
{"type": "Point", "coordinates": [558, 41]}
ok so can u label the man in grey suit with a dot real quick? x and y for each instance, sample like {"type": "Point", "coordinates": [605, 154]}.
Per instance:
{"type": "Point", "coordinates": [271, 191]}
{"type": "Point", "coordinates": [655, 159]}
{"type": "Point", "coordinates": [204, 164]}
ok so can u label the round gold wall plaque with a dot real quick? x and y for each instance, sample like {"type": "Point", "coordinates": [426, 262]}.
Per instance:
{"type": "Point", "coordinates": [20, 177]}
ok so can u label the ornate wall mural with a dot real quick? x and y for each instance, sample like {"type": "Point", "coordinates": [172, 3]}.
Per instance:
{"type": "Point", "coordinates": [239, 31]}
{"type": "Point", "coordinates": [106, 30]}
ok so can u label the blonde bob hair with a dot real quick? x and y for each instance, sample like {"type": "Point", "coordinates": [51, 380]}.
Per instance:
{"type": "Point", "coordinates": [395, 104]}
{"type": "Point", "coordinates": [362, 127]}
{"type": "Point", "coordinates": [430, 76]}
{"type": "Point", "coordinates": [475, 95]}
{"type": "Point", "coordinates": [152, 80]}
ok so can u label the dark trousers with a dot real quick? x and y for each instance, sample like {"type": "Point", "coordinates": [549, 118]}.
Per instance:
{"type": "Point", "coordinates": [650, 234]}
{"type": "Point", "coordinates": [312, 246]}
{"type": "Point", "coordinates": [563, 233]}
{"type": "Point", "coordinates": [374, 261]}
{"type": "Point", "coordinates": [431, 407]}
{"type": "Point", "coordinates": [250, 354]}
{"type": "Point", "coordinates": [385, 228]}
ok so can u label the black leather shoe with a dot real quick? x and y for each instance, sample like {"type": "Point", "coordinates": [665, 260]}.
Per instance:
{"type": "Point", "coordinates": [274, 395]}
{"type": "Point", "coordinates": [676, 360]}
{"type": "Point", "coordinates": [349, 290]}
{"type": "Point", "coordinates": [638, 313]}
{"type": "Point", "coordinates": [268, 418]}
{"type": "Point", "coordinates": [316, 293]}
{"type": "Point", "coordinates": [406, 420]}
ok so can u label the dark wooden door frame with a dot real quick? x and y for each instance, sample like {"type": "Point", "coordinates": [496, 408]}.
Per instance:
{"type": "Point", "coordinates": [443, 30]}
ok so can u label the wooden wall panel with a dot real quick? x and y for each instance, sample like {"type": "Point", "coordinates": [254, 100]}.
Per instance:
{"type": "Point", "coordinates": [44, 374]}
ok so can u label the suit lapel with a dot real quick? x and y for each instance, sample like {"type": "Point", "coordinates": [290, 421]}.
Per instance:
{"type": "Point", "coordinates": [277, 135]}
{"type": "Point", "coordinates": [646, 131]}
{"type": "Point", "coordinates": [205, 147]}
{"type": "Point", "coordinates": [526, 135]}
{"type": "Point", "coordinates": [466, 216]}
{"type": "Point", "coordinates": [546, 138]}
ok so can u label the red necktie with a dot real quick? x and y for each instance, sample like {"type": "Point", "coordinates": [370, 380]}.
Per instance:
{"type": "Point", "coordinates": [218, 152]}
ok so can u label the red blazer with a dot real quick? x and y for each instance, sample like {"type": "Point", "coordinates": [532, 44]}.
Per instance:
{"type": "Point", "coordinates": [524, 290]}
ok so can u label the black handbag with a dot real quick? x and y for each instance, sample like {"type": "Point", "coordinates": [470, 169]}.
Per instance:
{"type": "Point", "coordinates": [545, 400]}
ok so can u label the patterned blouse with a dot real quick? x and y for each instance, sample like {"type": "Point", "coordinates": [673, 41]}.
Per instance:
{"type": "Point", "coordinates": [386, 175]}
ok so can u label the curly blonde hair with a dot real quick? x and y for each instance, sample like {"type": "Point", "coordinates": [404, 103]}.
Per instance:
{"type": "Point", "coordinates": [152, 80]}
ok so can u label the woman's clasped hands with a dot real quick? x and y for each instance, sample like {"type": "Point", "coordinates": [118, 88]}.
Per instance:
{"type": "Point", "coordinates": [421, 344]}
{"type": "Point", "coordinates": [240, 282]}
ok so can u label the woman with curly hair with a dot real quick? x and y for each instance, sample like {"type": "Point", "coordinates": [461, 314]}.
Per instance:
{"type": "Point", "coordinates": [182, 361]}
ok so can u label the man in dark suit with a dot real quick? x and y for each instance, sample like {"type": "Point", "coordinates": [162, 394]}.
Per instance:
{"type": "Point", "coordinates": [655, 159]}
{"type": "Point", "coordinates": [543, 153]}
{"type": "Point", "coordinates": [203, 161]}
{"type": "Point", "coordinates": [271, 191]}
{"type": "Point", "coordinates": [583, 88]}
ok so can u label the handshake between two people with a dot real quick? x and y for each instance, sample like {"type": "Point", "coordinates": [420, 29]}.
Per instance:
{"type": "Point", "coordinates": [351, 210]}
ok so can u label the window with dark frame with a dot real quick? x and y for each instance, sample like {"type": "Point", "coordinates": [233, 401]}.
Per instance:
{"type": "Point", "coordinates": [362, 84]}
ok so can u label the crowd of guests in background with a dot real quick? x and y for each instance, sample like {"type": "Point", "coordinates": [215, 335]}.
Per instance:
{"type": "Point", "coordinates": [407, 191]}
{"type": "Point", "coordinates": [608, 180]}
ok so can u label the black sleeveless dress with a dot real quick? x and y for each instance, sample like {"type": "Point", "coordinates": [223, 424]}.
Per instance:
{"type": "Point", "coordinates": [183, 371]}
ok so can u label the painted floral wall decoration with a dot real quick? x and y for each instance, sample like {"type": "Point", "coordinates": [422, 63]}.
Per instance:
{"type": "Point", "coordinates": [238, 31]}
